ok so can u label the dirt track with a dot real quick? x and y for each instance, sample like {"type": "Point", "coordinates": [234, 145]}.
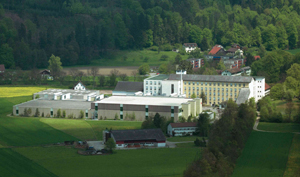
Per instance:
{"type": "Point", "coordinates": [106, 70]}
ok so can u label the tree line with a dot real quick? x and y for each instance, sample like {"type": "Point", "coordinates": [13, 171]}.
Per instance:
{"type": "Point", "coordinates": [78, 31]}
{"type": "Point", "coordinates": [226, 139]}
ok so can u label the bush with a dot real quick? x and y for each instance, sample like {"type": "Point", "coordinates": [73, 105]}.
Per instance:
{"type": "Point", "coordinates": [81, 114]}
{"type": "Point", "coordinates": [58, 113]}
{"type": "Point", "coordinates": [43, 114]}
{"type": "Point", "coordinates": [37, 96]}
{"type": "Point", "coordinates": [154, 48]}
{"type": "Point", "coordinates": [64, 114]}
{"type": "Point", "coordinates": [146, 59]}
{"type": "Point", "coordinates": [101, 117]}
{"type": "Point", "coordinates": [116, 117]}
{"type": "Point", "coordinates": [164, 58]}
{"type": "Point", "coordinates": [167, 47]}
{"type": "Point", "coordinates": [70, 116]}
{"type": "Point", "coordinates": [37, 113]}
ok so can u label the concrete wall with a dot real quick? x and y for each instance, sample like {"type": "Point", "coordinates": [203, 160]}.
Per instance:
{"type": "Point", "coordinates": [47, 111]}
{"type": "Point", "coordinates": [167, 85]}
{"type": "Point", "coordinates": [193, 107]}
{"type": "Point", "coordinates": [186, 108]}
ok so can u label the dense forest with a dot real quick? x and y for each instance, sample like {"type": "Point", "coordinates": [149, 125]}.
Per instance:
{"type": "Point", "coordinates": [80, 30]}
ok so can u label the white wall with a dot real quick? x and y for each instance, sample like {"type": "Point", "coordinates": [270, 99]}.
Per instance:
{"type": "Point", "coordinates": [189, 49]}
{"type": "Point", "coordinates": [156, 86]}
{"type": "Point", "coordinates": [167, 85]}
{"type": "Point", "coordinates": [79, 86]}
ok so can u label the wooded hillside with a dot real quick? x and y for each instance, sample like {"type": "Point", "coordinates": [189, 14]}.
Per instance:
{"type": "Point", "coordinates": [79, 30]}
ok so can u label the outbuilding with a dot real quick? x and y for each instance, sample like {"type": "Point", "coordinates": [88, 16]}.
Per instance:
{"type": "Point", "coordinates": [182, 129]}
{"type": "Point", "coordinates": [138, 138]}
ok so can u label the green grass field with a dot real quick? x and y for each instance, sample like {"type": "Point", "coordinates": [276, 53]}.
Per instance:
{"type": "Point", "coordinates": [264, 155]}
{"type": "Point", "coordinates": [19, 91]}
{"type": "Point", "coordinates": [293, 164]}
{"type": "Point", "coordinates": [185, 138]}
{"type": "Point", "coordinates": [15, 164]}
{"type": "Point", "coordinates": [294, 51]}
{"type": "Point", "coordinates": [279, 127]}
{"type": "Point", "coordinates": [186, 145]}
{"type": "Point", "coordinates": [64, 161]}
{"type": "Point", "coordinates": [281, 105]}
{"type": "Point", "coordinates": [135, 58]}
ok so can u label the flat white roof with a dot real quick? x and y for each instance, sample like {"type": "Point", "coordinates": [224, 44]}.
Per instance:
{"type": "Point", "coordinates": [144, 100]}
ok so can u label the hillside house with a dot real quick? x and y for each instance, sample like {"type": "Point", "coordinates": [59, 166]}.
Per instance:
{"type": "Point", "coordinates": [46, 74]}
{"type": "Point", "coordinates": [79, 86]}
{"type": "Point", "coordinates": [2, 69]}
{"type": "Point", "coordinates": [190, 46]}
{"type": "Point", "coordinates": [267, 89]}
{"type": "Point", "coordinates": [182, 129]}
{"type": "Point", "coordinates": [196, 62]}
{"type": "Point", "coordinates": [217, 50]}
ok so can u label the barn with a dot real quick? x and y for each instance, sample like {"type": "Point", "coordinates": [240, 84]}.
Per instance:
{"type": "Point", "coordinates": [138, 138]}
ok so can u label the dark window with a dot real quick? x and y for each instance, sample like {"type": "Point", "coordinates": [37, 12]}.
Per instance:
{"type": "Point", "coordinates": [172, 88]}
{"type": "Point", "coordinates": [121, 108]}
{"type": "Point", "coordinates": [146, 109]}
{"type": "Point", "coordinates": [51, 113]}
{"type": "Point", "coordinates": [86, 115]}
{"type": "Point", "coordinates": [17, 111]}
{"type": "Point", "coordinates": [172, 110]}
{"type": "Point", "coordinates": [96, 108]}
{"type": "Point", "coordinates": [121, 117]}
{"type": "Point", "coordinates": [146, 117]}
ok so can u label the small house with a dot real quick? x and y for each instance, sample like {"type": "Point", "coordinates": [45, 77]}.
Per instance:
{"type": "Point", "coordinates": [46, 74]}
{"type": "Point", "coordinates": [190, 46]}
{"type": "Point", "coordinates": [138, 138]}
{"type": "Point", "coordinates": [217, 50]}
{"type": "Point", "coordinates": [182, 129]}
{"type": "Point", "coordinates": [2, 68]}
{"type": "Point", "coordinates": [79, 86]}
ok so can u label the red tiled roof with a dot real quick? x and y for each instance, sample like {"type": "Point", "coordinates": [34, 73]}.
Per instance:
{"type": "Point", "coordinates": [256, 57]}
{"type": "Point", "coordinates": [214, 50]}
{"type": "Point", "coordinates": [2, 68]}
{"type": "Point", "coordinates": [185, 124]}
{"type": "Point", "coordinates": [267, 87]}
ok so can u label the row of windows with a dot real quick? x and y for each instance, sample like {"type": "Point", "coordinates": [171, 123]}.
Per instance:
{"type": "Point", "coordinates": [214, 94]}
{"type": "Point", "coordinates": [154, 88]}
{"type": "Point", "coordinates": [154, 82]}
{"type": "Point", "coordinates": [215, 84]}
{"type": "Point", "coordinates": [214, 89]}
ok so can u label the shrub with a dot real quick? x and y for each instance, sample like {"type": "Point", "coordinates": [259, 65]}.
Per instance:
{"type": "Point", "coordinates": [197, 142]}
{"type": "Point", "coordinates": [29, 111]}
{"type": "Point", "coordinates": [101, 117]}
{"type": "Point", "coordinates": [58, 113]}
{"type": "Point", "coordinates": [64, 114]}
{"type": "Point", "coordinates": [154, 48]}
{"type": "Point", "coordinates": [81, 114]}
{"type": "Point", "coordinates": [70, 116]}
{"type": "Point", "coordinates": [43, 114]}
{"type": "Point", "coordinates": [164, 58]}
{"type": "Point", "coordinates": [37, 96]}
{"type": "Point", "coordinates": [132, 117]}
{"type": "Point", "coordinates": [37, 113]}
{"type": "Point", "coordinates": [146, 59]}
{"type": "Point", "coordinates": [167, 47]}
{"type": "Point", "coordinates": [116, 117]}
{"type": "Point", "coordinates": [48, 115]}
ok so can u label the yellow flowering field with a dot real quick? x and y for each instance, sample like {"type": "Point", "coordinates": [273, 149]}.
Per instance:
{"type": "Point", "coordinates": [19, 91]}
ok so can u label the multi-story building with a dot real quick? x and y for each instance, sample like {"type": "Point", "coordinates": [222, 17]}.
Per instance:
{"type": "Point", "coordinates": [216, 88]}
{"type": "Point", "coordinates": [188, 47]}
{"type": "Point", "coordinates": [196, 62]}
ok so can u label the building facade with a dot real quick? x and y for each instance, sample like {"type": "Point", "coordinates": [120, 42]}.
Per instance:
{"type": "Point", "coordinates": [182, 129]}
{"type": "Point", "coordinates": [188, 47]}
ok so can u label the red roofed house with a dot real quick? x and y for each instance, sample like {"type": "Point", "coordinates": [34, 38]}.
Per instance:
{"type": "Point", "coordinates": [256, 57]}
{"type": "Point", "coordinates": [189, 46]}
{"type": "Point", "coordinates": [216, 50]}
{"type": "Point", "coordinates": [2, 68]}
{"type": "Point", "coordinates": [267, 89]}
{"type": "Point", "coordinates": [182, 129]}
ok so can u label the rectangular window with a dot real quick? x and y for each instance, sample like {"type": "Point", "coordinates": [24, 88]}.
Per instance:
{"type": "Point", "coordinates": [193, 83]}
{"type": "Point", "coordinates": [146, 109]}
{"type": "Point", "coordinates": [17, 112]}
{"type": "Point", "coordinates": [51, 113]}
{"type": "Point", "coordinates": [121, 108]}
{"type": "Point", "coordinates": [96, 106]}
{"type": "Point", "coordinates": [121, 117]}
{"type": "Point", "coordinates": [197, 83]}
{"type": "Point", "coordinates": [172, 110]}
{"type": "Point", "coordinates": [172, 88]}
{"type": "Point", "coordinates": [86, 115]}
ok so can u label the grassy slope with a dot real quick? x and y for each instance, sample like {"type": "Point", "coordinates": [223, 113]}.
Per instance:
{"type": "Point", "coordinates": [135, 58]}
{"type": "Point", "coordinates": [14, 164]}
{"type": "Point", "coordinates": [185, 138]}
{"type": "Point", "coordinates": [293, 164]}
{"type": "Point", "coordinates": [294, 51]}
{"type": "Point", "coordinates": [281, 105]}
{"type": "Point", "coordinates": [77, 128]}
{"type": "Point", "coordinates": [265, 155]}
{"type": "Point", "coordinates": [144, 162]}
{"type": "Point", "coordinates": [279, 127]}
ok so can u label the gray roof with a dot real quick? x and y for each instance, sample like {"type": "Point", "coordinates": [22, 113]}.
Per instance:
{"type": "Point", "coordinates": [243, 96]}
{"type": "Point", "coordinates": [158, 77]}
{"type": "Point", "coordinates": [61, 104]}
{"type": "Point", "coordinates": [129, 86]}
{"type": "Point", "coordinates": [71, 91]}
{"type": "Point", "coordinates": [211, 78]}
{"type": "Point", "coordinates": [140, 134]}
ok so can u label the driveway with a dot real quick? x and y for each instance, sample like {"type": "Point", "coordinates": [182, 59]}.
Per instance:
{"type": "Point", "coordinates": [98, 145]}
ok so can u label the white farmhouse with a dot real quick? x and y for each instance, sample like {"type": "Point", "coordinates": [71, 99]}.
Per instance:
{"type": "Point", "coordinates": [182, 129]}
{"type": "Point", "coordinates": [189, 47]}
{"type": "Point", "coordinates": [79, 86]}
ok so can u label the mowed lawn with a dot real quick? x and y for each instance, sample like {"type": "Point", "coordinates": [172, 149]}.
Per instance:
{"type": "Point", "coordinates": [279, 127]}
{"type": "Point", "coordinates": [184, 138]}
{"type": "Point", "coordinates": [19, 91]}
{"type": "Point", "coordinates": [265, 155]}
{"type": "Point", "coordinates": [135, 58]}
{"type": "Point", "coordinates": [15, 164]}
{"type": "Point", "coordinates": [293, 164]}
{"type": "Point", "coordinates": [66, 162]}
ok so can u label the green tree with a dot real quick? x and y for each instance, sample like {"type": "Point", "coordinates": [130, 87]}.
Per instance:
{"type": "Point", "coordinates": [203, 96]}
{"type": "Point", "coordinates": [269, 37]}
{"type": "Point", "coordinates": [58, 113]}
{"type": "Point", "coordinates": [221, 65]}
{"type": "Point", "coordinates": [110, 145]}
{"type": "Point", "coordinates": [203, 124]}
{"type": "Point", "coordinates": [55, 66]}
{"type": "Point", "coordinates": [193, 96]}
{"type": "Point", "coordinates": [144, 69]}
{"type": "Point", "coordinates": [6, 56]}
